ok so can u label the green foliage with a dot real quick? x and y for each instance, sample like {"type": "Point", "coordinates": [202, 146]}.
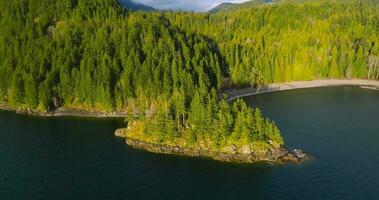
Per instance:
{"type": "Point", "coordinates": [164, 68]}
{"type": "Point", "coordinates": [31, 95]}
{"type": "Point", "coordinates": [291, 40]}
{"type": "Point", "coordinates": [210, 123]}
{"type": "Point", "coordinates": [16, 90]}
{"type": "Point", "coordinates": [98, 57]}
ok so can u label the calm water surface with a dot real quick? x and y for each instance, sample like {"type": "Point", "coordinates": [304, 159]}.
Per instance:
{"type": "Point", "coordinates": [74, 158]}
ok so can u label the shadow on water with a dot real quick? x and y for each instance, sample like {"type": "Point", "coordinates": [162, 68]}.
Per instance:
{"type": "Point", "coordinates": [77, 158]}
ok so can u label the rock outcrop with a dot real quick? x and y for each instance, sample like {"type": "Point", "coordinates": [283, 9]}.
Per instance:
{"type": "Point", "coordinates": [229, 154]}
{"type": "Point", "coordinates": [120, 133]}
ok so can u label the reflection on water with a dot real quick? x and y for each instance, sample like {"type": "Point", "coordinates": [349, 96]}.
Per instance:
{"type": "Point", "coordinates": [74, 158]}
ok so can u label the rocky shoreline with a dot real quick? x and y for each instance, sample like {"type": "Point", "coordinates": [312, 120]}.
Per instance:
{"type": "Point", "coordinates": [231, 93]}
{"type": "Point", "coordinates": [274, 155]}
{"type": "Point", "coordinates": [60, 112]}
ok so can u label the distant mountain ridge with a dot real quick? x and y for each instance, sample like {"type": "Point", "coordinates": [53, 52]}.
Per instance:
{"type": "Point", "coordinates": [228, 6]}
{"type": "Point", "coordinates": [129, 4]}
{"type": "Point", "coordinates": [222, 6]}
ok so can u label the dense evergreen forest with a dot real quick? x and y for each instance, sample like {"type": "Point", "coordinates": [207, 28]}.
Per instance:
{"type": "Point", "coordinates": [292, 40]}
{"type": "Point", "coordinates": [165, 68]}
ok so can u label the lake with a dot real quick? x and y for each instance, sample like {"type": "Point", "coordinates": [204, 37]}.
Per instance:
{"type": "Point", "coordinates": [76, 158]}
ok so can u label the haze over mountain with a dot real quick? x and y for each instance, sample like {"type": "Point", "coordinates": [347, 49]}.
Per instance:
{"type": "Point", "coordinates": [227, 6]}
{"type": "Point", "coordinates": [194, 5]}
{"type": "Point", "coordinates": [134, 6]}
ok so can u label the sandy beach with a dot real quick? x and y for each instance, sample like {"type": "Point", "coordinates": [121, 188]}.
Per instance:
{"type": "Point", "coordinates": [238, 93]}
{"type": "Point", "coordinates": [232, 94]}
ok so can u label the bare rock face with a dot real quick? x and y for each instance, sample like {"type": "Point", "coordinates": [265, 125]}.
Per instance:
{"type": "Point", "coordinates": [231, 153]}
{"type": "Point", "coordinates": [299, 153]}
{"type": "Point", "coordinates": [245, 150]}
{"type": "Point", "coordinates": [232, 149]}
{"type": "Point", "coordinates": [120, 133]}
{"type": "Point", "coordinates": [296, 156]}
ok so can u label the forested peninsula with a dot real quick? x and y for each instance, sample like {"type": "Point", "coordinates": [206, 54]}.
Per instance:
{"type": "Point", "coordinates": [166, 70]}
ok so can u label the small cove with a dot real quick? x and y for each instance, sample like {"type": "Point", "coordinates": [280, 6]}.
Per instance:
{"type": "Point", "coordinates": [76, 158]}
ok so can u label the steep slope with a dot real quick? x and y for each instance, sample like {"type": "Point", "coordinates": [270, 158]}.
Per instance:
{"type": "Point", "coordinates": [293, 40]}
{"type": "Point", "coordinates": [232, 6]}
{"type": "Point", "coordinates": [222, 7]}
{"type": "Point", "coordinates": [134, 6]}
{"type": "Point", "coordinates": [164, 68]}
{"type": "Point", "coordinates": [93, 56]}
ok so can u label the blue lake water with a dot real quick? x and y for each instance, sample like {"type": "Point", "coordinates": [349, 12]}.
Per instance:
{"type": "Point", "coordinates": [76, 158]}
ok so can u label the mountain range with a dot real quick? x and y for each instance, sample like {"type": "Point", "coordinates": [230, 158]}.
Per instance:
{"type": "Point", "coordinates": [128, 4]}
{"type": "Point", "coordinates": [228, 6]}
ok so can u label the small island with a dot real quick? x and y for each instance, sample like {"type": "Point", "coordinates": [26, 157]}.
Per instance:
{"type": "Point", "coordinates": [249, 153]}
{"type": "Point", "coordinates": [166, 73]}
{"type": "Point", "coordinates": [257, 140]}
{"type": "Point", "coordinates": [235, 133]}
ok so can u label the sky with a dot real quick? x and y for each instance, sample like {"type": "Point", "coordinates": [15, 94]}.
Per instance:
{"type": "Point", "coordinates": [192, 5]}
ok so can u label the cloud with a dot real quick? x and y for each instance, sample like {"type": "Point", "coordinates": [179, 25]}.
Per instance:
{"type": "Point", "coordinates": [192, 5]}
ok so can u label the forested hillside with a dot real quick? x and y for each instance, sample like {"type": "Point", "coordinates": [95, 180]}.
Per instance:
{"type": "Point", "coordinates": [95, 56]}
{"type": "Point", "coordinates": [292, 40]}
{"type": "Point", "coordinates": [165, 68]}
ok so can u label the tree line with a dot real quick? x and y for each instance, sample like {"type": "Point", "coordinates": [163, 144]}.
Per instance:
{"type": "Point", "coordinates": [291, 40]}
{"type": "Point", "coordinates": [164, 69]}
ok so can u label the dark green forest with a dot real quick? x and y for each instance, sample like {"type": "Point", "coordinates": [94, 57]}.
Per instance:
{"type": "Point", "coordinates": [166, 69]}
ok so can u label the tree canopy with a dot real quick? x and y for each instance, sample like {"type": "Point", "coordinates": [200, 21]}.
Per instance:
{"type": "Point", "coordinates": [165, 69]}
